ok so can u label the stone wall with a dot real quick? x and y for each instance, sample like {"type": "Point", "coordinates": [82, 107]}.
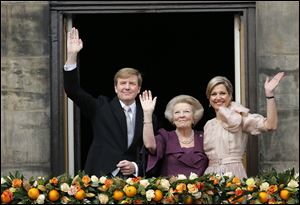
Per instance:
{"type": "Point", "coordinates": [25, 88]}
{"type": "Point", "coordinates": [278, 49]}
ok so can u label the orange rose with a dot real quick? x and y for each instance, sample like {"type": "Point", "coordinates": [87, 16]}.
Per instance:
{"type": "Point", "coordinates": [7, 196]}
{"type": "Point", "coordinates": [236, 181]}
{"type": "Point", "coordinates": [54, 181]}
{"type": "Point", "coordinates": [251, 187]}
{"type": "Point", "coordinates": [136, 179]}
{"type": "Point", "coordinates": [272, 189]}
{"type": "Point", "coordinates": [108, 182]}
{"type": "Point", "coordinates": [16, 183]}
{"type": "Point", "coordinates": [86, 180]}
{"type": "Point", "coordinates": [180, 187]}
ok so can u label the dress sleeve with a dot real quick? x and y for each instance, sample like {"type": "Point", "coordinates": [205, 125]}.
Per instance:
{"type": "Point", "coordinates": [231, 120]}
{"type": "Point", "coordinates": [160, 139]}
{"type": "Point", "coordinates": [254, 124]}
{"type": "Point", "coordinates": [251, 123]}
{"type": "Point", "coordinates": [236, 117]}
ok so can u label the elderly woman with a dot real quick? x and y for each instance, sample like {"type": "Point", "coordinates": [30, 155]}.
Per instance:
{"type": "Point", "coordinates": [225, 136]}
{"type": "Point", "coordinates": [179, 151]}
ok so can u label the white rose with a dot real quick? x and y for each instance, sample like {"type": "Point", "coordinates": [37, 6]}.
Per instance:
{"type": "Point", "coordinates": [197, 195]}
{"type": "Point", "coordinates": [129, 181]}
{"type": "Point", "coordinates": [72, 190]}
{"type": "Point", "coordinates": [103, 198]}
{"type": "Point", "coordinates": [250, 181]}
{"type": "Point", "coordinates": [35, 183]}
{"type": "Point", "coordinates": [293, 184]}
{"type": "Point", "coordinates": [3, 180]}
{"type": "Point", "coordinates": [95, 181]}
{"type": "Point", "coordinates": [64, 187]}
{"type": "Point", "coordinates": [264, 186]}
{"type": "Point", "coordinates": [192, 188]}
{"type": "Point", "coordinates": [41, 199]}
{"type": "Point", "coordinates": [193, 176]}
{"type": "Point", "coordinates": [165, 184]}
{"type": "Point", "coordinates": [144, 182]}
{"type": "Point", "coordinates": [150, 194]}
{"type": "Point", "coordinates": [102, 180]}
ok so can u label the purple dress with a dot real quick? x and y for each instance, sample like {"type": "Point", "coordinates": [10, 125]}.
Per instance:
{"type": "Point", "coordinates": [176, 159]}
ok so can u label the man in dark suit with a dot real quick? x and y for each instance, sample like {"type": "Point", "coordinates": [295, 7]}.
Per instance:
{"type": "Point", "coordinates": [112, 152]}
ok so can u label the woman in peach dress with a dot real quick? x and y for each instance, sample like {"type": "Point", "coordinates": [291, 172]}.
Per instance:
{"type": "Point", "coordinates": [225, 136]}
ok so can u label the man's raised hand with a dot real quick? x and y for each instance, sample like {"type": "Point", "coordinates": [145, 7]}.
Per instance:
{"type": "Point", "coordinates": [74, 43]}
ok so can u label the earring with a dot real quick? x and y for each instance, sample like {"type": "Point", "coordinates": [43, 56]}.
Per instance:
{"type": "Point", "coordinates": [209, 105]}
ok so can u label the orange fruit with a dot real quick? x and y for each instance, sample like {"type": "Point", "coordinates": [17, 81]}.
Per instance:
{"type": "Point", "coordinates": [118, 195]}
{"type": "Point", "coordinates": [188, 200]}
{"type": "Point", "coordinates": [263, 197]}
{"type": "Point", "coordinates": [130, 191]}
{"type": "Point", "coordinates": [33, 193]}
{"type": "Point", "coordinates": [53, 195]}
{"type": "Point", "coordinates": [158, 195]}
{"type": "Point", "coordinates": [284, 194]}
{"type": "Point", "coordinates": [6, 196]}
{"type": "Point", "coordinates": [79, 195]}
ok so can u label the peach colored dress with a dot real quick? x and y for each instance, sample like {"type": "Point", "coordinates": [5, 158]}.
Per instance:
{"type": "Point", "coordinates": [225, 140]}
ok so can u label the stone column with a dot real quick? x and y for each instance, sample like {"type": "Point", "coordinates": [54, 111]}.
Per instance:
{"type": "Point", "coordinates": [25, 88]}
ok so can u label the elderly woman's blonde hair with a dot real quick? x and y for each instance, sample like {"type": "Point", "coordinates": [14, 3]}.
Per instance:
{"type": "Point", "coordinates": [217, 81]}
{"type": "Point", "coordinates": [196, 105]}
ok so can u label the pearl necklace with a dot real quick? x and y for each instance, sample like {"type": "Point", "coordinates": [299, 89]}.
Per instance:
{"type": "Point", "coordinates": [188, 140]}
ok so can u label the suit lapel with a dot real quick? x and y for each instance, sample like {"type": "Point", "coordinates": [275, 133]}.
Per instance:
{"type": "Point", "coordinates": [120, 116]}
{"type": "Point", "coordinates": [138, 123]}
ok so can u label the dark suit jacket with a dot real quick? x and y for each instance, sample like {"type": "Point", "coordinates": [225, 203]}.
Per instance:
{"type": "Point", "coordinates": [108, 120]}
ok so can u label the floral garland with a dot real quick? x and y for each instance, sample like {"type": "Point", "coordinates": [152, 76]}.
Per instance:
{"type": "Point", "coordinates": [270, 187]}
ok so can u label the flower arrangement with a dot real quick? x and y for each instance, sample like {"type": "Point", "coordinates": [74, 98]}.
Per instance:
{"type": "Point", "coordinates": [269, 187]}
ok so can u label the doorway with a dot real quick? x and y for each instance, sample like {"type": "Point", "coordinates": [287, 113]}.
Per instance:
{"type": "Point", "coordinates": [177, 53]}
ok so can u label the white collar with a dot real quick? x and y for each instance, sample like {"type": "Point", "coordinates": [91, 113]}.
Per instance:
{"type": "Point", "coordinates": [132, 106]}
